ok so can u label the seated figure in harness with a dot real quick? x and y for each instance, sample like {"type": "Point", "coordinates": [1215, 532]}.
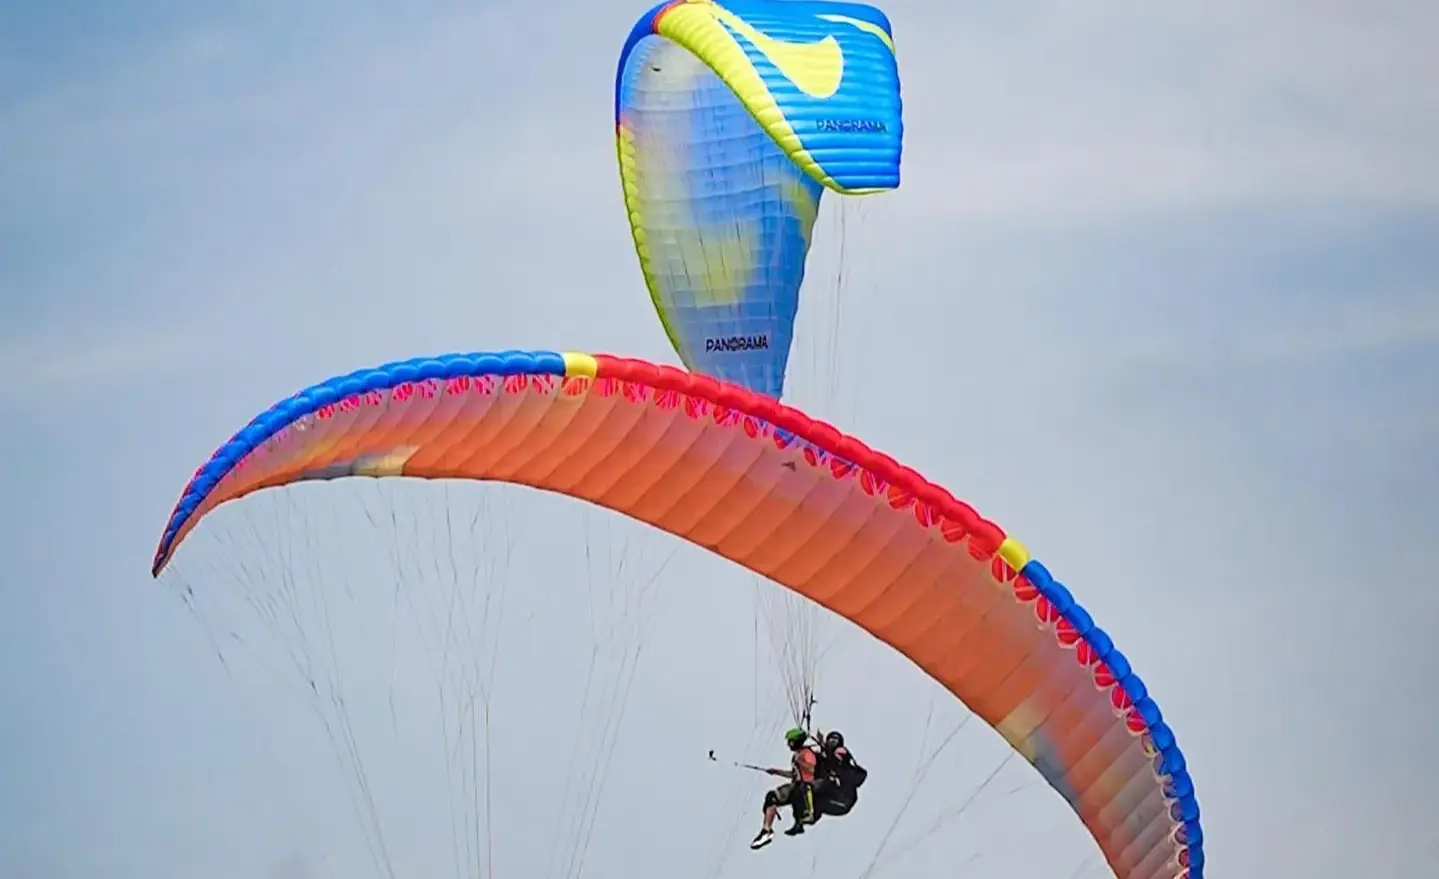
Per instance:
{"type": "Point", "coordinates": [838, 777]}
{"type": "Point", "coordinates": [798, 792]}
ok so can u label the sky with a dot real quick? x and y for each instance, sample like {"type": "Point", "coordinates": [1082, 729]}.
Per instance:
{"type": "Point", "coordinates": [1157, 294]}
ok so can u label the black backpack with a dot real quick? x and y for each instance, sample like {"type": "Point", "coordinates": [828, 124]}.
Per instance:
{"type": "Point", "coordinates": [847, 771]}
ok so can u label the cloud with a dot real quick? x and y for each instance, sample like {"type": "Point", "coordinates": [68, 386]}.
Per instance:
{"type": "Point", "coordinates": [1062, 109]}
{"type": "Point", "coordinates": [1358, 326]}
{"type": "Point", "coordinates": [294, 866]}
{"type": "Point", "coordinates": [46, 364]}
{"type": "Point", "coordinates": [1312, 332]}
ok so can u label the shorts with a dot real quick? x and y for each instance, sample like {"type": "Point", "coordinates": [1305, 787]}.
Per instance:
{"type": "Point", "coordinates": [792, 793]}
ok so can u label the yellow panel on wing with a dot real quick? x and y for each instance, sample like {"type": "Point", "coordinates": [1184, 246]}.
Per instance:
{"type": "Point", "coordinates": [696, 26]}
{"type": "Point", "coordinates": [788, 67]}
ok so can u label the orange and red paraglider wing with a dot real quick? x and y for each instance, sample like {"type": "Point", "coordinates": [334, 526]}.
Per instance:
{"type": "Point", "coordinates": [791, 498]}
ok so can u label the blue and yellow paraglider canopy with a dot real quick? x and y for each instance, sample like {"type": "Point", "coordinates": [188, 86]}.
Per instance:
{"type": "Point", "coordinates": [732, 118]}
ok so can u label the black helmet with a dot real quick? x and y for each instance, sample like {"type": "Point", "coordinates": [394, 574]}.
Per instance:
{"type": "Point", "coordinates": [795, 738]}
{"type": "Point", "coordinates": [833, 739]}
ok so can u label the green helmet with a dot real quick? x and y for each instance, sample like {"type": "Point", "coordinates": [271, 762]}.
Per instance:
{"type": "Point", "coordinates": [795, 737]}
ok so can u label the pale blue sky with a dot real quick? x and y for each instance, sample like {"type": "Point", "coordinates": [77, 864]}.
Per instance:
{"type": "Point", "coordinates": [1158, 294]}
